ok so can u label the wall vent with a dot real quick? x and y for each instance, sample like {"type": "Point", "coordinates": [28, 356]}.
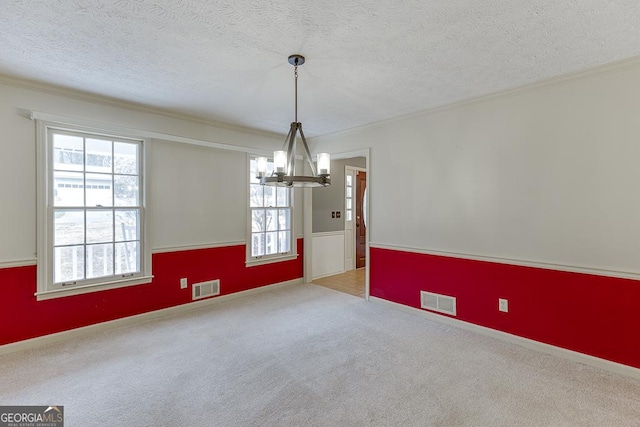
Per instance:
{"type": "Point", "coordinates": [436, 302]}
{"type": "Point", "coordinates": [206, 289]}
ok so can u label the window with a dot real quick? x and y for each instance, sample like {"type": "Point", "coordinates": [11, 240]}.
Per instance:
{"type": "Point", "coordinates": [349, 197]}
{"type": "Point", "coordinates": [270, 219]}
{"type": "Point", "coordinates": [92, 212]}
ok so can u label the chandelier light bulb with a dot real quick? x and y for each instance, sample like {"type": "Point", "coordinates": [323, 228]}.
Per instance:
{"type": "Point", "coordinates": [261, 167]}
{"type": "Point", "coordinates": [324, 164]}
{"type": "Point", "coordinates": [280, 161]}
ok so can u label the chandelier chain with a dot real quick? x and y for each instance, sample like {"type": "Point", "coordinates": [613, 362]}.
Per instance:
{"type": "Point", "coordinates": [295, 74]}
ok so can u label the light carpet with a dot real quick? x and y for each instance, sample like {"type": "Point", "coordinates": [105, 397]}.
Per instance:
{"type": "Point", "coordinates": [306, 355]}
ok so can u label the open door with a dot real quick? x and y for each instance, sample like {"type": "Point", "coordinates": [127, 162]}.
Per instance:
{"type": "Point", "coordinates": [360, 223]}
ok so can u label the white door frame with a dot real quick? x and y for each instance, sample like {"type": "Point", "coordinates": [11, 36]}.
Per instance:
{"type": "Point", "coordinates": [308, 219]}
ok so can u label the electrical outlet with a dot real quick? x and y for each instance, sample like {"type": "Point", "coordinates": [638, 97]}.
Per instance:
{"type": "Point", "coordinates": [183, 283]}
{"type": "Point", "coordinates": [503, 305]}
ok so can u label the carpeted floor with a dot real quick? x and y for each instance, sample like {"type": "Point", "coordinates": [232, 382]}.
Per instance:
{"type": "Point", "coordinates": [306, 355]}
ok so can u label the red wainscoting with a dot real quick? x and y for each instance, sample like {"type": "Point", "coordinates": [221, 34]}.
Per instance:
{"type": "Point", "coordinates": [22, 317]}
{"type": "Point", "coordinates": [590, 314]}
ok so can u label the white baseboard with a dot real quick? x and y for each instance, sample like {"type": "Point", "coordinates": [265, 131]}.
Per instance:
{"type": "Point", "coordinates": [138, 318]}
{"type": "Point", "coordinates": [596, 362]}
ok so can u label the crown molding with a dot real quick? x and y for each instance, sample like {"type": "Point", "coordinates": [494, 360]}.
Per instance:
{"type": "Point", "coordinates": [119, 103]}
{"type": "Point", "coordinates": [612, 67]}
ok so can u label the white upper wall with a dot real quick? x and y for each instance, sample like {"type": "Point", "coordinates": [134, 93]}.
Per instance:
{"type": "Point", "coordinates": [192, 200]}
{"type": "Point", "coordinates": [546, 174]}
{"type": "Point", "coordinates": [197, 195]}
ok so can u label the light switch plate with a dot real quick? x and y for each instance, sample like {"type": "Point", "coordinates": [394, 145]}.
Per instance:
{"type": "Point", "coordinates": [503, 305]}
{"type": "Point", "coordinates": [183, 283]}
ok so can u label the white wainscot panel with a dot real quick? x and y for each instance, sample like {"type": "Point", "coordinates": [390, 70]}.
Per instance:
{"type": "Point", "coordinates": [327, 253]}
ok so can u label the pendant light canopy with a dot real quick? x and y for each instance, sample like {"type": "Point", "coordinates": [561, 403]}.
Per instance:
{"type": "Point", "coordinates": [284, 161]}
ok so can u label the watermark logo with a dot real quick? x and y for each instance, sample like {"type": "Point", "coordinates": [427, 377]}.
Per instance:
{"type": "Point", "coordinates": [31, 416]}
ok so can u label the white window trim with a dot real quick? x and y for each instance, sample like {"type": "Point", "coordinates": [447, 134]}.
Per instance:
{"type": "Point", "coordinates": [267, 259]}
{"type": "Point", "coordinates": [44, 224]}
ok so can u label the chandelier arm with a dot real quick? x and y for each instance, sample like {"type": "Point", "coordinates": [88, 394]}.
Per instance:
{"type": "Point", "coordinates": [306, 149]}
{"type": "Point", "coordinates": [291, 150]}
{"type": "Point", "coordinates": [286, 140]}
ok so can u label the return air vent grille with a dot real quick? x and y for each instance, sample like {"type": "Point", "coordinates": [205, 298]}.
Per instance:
{"type": "Point", "coordinates": [436, 302]}
{"type": "Point", "coordinates": [206, 289]}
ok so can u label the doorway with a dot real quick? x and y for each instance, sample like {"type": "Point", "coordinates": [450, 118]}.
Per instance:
{"type": "Point", "coordinates": [350, 282]}
{"type": "Point", "coordinates": [339, 245]}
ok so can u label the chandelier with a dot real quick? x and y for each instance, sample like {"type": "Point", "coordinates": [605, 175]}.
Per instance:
{"type": "Point", "coordinates": [284, 161]}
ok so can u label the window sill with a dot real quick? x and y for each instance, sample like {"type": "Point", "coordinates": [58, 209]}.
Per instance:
{"type": "Point", "coordinates": [78, 290]}
{"type": "Point", "coordinates": [263, 261]}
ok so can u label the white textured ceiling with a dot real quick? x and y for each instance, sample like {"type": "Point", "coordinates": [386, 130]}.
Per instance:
{"type": "Point", "coordinates": [367, 61]}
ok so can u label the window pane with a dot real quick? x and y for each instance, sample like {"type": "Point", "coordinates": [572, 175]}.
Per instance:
{"type": "Point", "coordinates": [269, 196]}
{"type": "Point", "coordinates": [258, 220]}
{"type": "Point", "coordinates": [99, 157]}
{"type": "Point", "coordinates": [99, 190]}
{"type": "Point", "coordinates": [282, 196]}
{"type": "Point", "coordinates": [125, 189]}
{"type": "Point", "coordinates": [68, 264]}
{"type": "Point", "coordinates": [68, 227]}
{"type": "Point", "coordinates": [127, 257]}
{"type": "Point", "coordinates": [349, 203]}
{"type": "Point", "coordinates": [284, 219]}
{"type": "Point", "coordinates": [255, 195]}
{"type": "Point", "coordinates": [271, 243]}
{"type": "Point", "coordinates": [349, 215]}
{"type": "Point", "coordinates": [272, 219]}
{"type": "Point", "coordinates": [68, 152]}
{"type": "Point", "coordinates": [350, 180]}
{"type": "Point", "coordinates": [125, 160]}
{"type": "Point", "coordinates": [68, 189]}
{"type": "Point", "coordinates": [284, 241]}
{"type": "Point", "coordinates": [257, 244]}
{"type": "Point", "coordinates": [349, 192]}
{"type": "Point", "coordinates": [127, 225]}
{"type": "Point", "coordinates": [99, 260]}
{"type": "Point", "coordinates": [99, 226]}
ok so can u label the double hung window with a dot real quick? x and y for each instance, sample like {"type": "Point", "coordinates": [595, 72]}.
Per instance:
{"type": "Point", "coordinates": [92, 210]}
{"type": "Point", "coordinates": [270, 217]}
